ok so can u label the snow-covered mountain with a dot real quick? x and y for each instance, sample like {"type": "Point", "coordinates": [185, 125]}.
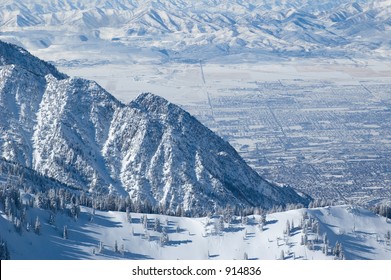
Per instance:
{"type": "Point", "coordinates": [188, 29]}
{"type": "Point", "coordinates": [72, 130]}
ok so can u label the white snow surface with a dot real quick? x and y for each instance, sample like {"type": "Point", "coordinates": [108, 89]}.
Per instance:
{"type": "Point", "coordinates": [361, 233]}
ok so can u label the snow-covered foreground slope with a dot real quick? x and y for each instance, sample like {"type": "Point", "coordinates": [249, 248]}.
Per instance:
{"type": "Point", "coordinates": [93, 236]}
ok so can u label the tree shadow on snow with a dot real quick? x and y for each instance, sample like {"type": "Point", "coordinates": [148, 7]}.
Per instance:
{"type": "Point", "coordinates": [271, 222]}
{"type": "Point", "coordinates": [233, 229]}
{"type": "Point", "coordinates": [178, 242]}
{"type": "Point", "coordinates": [351, 246]}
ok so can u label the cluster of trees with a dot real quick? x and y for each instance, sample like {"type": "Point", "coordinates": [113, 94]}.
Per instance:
{"type": "Point", "coordinates": [63, 199]}
{"type": "Point", "coordinates": [382, 210]}
{"type": "Point", "coordinates": [322, 203]}
{"type": "Point", "coordinates": [156, 225]}
{"type": "Point", "coordinates": [314, 240]}
{"type": "Point", "coordinates": [4, 252]}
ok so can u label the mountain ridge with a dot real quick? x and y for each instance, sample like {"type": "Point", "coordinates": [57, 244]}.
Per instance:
{"type": "Point", "coordinates": [150, 149]}
{"type": "Point", "coordinates": [205, 29]}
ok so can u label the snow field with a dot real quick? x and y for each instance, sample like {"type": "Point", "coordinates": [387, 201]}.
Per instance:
{"type": "Point", "coordinates": [108, 235]}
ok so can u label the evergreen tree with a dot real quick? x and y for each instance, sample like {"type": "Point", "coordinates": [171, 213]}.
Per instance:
{"type": "Point", "coordinates": [388, 236]}
{"type": "Point", "coordinates": [157, 226]}
{"type": "Point", "coordinates": [227, 214]}
{"type": "Point", "coordinates": [325, 249]}
{"type": "Point", "coordinates": [325, 238]}
{"type": "Point", "coordinates": [128, 216]}
{"type": "Point", "coordinates": [338, 251]}
{"type": "Point", "coordinates": [65, 232]}
{"type": "Point", "coordinates": [100, 248]}
{"type": "Point", "coordinates": [144, 220]}
{"type": "Point", "coordinates": [52, 219]}
{"type": "Point", "coordinates": [263, 218]}
{"type": "Point", "coordinates": [37, 226]}
{"type": "Point", "coordinates": [304, 239]}
{"type": "Point", "coordinates": [179, 211]}
{"type": "Point", "coordinates": [122, 249]}
{"type": "Point", "coordinates": [116, 246]}
{"type": "Point", "coordinates": [220, 225]}
{"type": "Point", "coordinates": [7, 206]}
{"type": "Point", "coordinates": [245, 256]}
{"type": "Point", "coordinates": [164, 239]}
{"type": "Point", "coordinates": [4, 252]}
{"type": "Point", "coordinates": [18, 225]}
{"type": "Point", "coordinates": [244, 220]}
{"type": "Point", "coordinates": [288, 228]}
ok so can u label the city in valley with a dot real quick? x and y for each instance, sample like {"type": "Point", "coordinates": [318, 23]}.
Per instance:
{"type": "Point", "coordinates": [317, 126]}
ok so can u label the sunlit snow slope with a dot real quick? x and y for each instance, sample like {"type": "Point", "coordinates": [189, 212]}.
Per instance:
{"type": "Point", "coordinates": [93, 236]}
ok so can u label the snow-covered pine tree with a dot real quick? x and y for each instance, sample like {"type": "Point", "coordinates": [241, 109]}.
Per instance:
{"type": "Point", "coordinates": [325, 238]}
{"type": "Point", "coordinates": [227, 214]}
{"type": "Point", "coordinates": [263, 218]}
{"type": "Point", "coordinates": [304, 239]}
{"type": "Point", "coordinates": [116, 246]}
{"type": "Point", "coordinates": [122, 250]}
{"type": "Point", "coordinates": [338, 251]}
{"type": "Point", "coordinates": [220, 225]}
{"type": "Point", "coordinates": [157, 226]}
{"type": "Point", "coordinates": [18, 225]}
{"type": "Point", "coordinates": [128, 215]}
{"type": "Point", "coordinates": [325, 249]}
{"type": "Point", "coordinates": [144, 220]}
{"type": "Point", "coordinates": [244, 220]}
{"type": "Point", "coordinates": [65, 232]}
{"type": "Point", "coordinates": [7, 206]}
{"type": "Point", "coordinates": [52, 219]}
{"type": "Point", "coordinates": [164, 239]}
{"type": "Point", "coordinates": [100, 248]}
{"type": "Point", "coordinates": [387, 236]}
{"type": "Point", "coordinates": [4, 252]}
{"type": "Point", "coordinates": [245, 256]}
{"type": "Point", "coordinates": [37, 226]}
{"type": "Point", "coordinates": [179, 211]}
{"type": "Point", "coordinates": [287, 228]}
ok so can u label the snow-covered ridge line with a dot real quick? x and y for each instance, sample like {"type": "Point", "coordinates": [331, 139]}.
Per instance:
{"type": "Point", "coordinates": [203, 29]}
{"type": "Point", "coordinates": [14, 55]}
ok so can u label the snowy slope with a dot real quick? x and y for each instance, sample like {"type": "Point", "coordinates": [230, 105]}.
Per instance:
{"type": "Point", "coordinates": [202, 29]}
{"type": "Point", "coordinates": [72, 130]}
{"type": "Point", "coordinates": [196, 238]}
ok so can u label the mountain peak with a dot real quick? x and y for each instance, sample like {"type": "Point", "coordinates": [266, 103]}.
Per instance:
{"type": "Point", "coordinates": [150, 101]}
{"type": "Point", "coordinates": [156, 106]}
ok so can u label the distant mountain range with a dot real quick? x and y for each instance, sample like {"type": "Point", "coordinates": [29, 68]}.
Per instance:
{"type": "Point", "coordinates": [185, 29]}
{"type": "Point", "coordinates": [73, 131]}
